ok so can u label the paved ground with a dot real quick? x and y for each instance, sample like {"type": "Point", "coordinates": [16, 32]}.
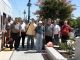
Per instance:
{"type": "Point", "coordinates": [28, 55]}
{"type": "Point", "coordinates": [5, 55]}
{"type": "Point", "coordinates": [23, 54]}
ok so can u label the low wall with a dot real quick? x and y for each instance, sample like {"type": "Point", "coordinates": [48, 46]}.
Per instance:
{"type": "Point", "coordinates": [77, 48]}
{"type": "Point", "coordinates": [54, 54]}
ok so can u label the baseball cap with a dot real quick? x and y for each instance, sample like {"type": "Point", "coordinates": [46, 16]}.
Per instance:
{"type": "Point", "coordinates": [40, 21]}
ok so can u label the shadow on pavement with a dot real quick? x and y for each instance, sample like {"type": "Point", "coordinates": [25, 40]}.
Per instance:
{"type": "Point", "coordinates": [45, 56]}
{"type": "Point", "coordinates": [30, 51]}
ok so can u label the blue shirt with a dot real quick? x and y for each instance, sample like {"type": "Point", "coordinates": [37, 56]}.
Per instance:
{"type": "Point", "coordinates": [39, 29]}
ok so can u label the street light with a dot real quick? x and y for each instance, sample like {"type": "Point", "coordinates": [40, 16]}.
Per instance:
{"type": "Point", "coordinates": [24, 14]}
{"type": "Point", "coordinates": [29, 5]}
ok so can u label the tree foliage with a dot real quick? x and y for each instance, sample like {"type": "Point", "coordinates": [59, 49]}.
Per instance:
{"type": "Point", "coordinates": [54, 9]}
{"type": "Point", "coordinates": [73, 23]}
{"type": "Point", "coordinates": [78, 22]}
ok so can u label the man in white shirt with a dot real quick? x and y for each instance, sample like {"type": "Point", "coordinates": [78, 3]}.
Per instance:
{"type": "Point", "coordinates": [23, 33]}
{"type": "Point", "coordinates": [56, 32]}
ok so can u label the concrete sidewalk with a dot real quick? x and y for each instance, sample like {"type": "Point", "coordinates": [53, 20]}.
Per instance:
{"type": "Point", "coordinates": [5, 55]}
{"type": "Point", "coordinates": [28, 55]}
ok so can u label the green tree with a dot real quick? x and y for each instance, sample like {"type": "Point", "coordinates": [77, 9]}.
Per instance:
{"type": "Point", "coordinates": [78, 22]}
{"type": "Point", "coordinates": [73, 23]}
{"type": "Point", "coordinates": [54, 9]}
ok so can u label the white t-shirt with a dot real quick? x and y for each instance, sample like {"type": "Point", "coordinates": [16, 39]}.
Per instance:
{"type": "Point", "coordinates": [23, 27]}
{"type": "Point", "coordinates": [56, 29]}
{"type": "Point", "coordinates": [17, 26]}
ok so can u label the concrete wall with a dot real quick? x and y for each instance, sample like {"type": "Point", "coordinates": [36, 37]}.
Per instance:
{"type": "Point", "coordinates": [53, 54]}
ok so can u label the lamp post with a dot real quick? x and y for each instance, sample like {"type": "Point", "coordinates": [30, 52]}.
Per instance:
{"type": "Point", "coordinates": [24, 14]}
{"type": "Point", "coordinates": [29, 5]}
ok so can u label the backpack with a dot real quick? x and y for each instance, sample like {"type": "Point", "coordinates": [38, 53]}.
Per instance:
{"type": "Point", "coordinates": [65, 30]}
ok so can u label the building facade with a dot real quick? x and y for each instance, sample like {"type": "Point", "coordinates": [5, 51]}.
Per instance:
{"type": "Point", "coordinates": [5, 13]}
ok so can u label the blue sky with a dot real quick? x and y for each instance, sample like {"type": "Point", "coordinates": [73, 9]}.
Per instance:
{"type": "Point", "coordinates": [77, 11]}
{"type": "Point", "coordinates": [20, 5]}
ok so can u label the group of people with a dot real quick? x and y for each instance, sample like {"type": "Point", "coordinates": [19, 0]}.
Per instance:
{"type": "Point", "coordinates": [43, 32]}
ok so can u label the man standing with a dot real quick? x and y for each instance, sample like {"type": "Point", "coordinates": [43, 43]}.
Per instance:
{"type": "Point", "coordinates": [56, 32]}
{"type": "Point", "coordinates": [23, 33]}
{"type": "Point", "coordinates": [30, 34]}
{"type": "Point", "coordinates": [65, 30]}
{"type": "Point", "coordinates": [15, 33]}
{"type": "Point", "coordinates": [48, 31]}
{"type": "Point", "coordinates": [39, 36]}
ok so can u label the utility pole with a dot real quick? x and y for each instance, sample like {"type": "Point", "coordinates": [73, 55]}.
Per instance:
{"type": "Point", "coordinates": [29, 5]}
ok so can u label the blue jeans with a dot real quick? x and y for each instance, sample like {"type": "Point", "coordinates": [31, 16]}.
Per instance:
{"type": "Point", "coordinates": [39, 42]}
{"type": "Point", "coordinates": [30, 45]}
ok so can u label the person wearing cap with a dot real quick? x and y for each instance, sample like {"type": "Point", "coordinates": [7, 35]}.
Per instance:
{"type": "Point", "coordinates": [39, 36]}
